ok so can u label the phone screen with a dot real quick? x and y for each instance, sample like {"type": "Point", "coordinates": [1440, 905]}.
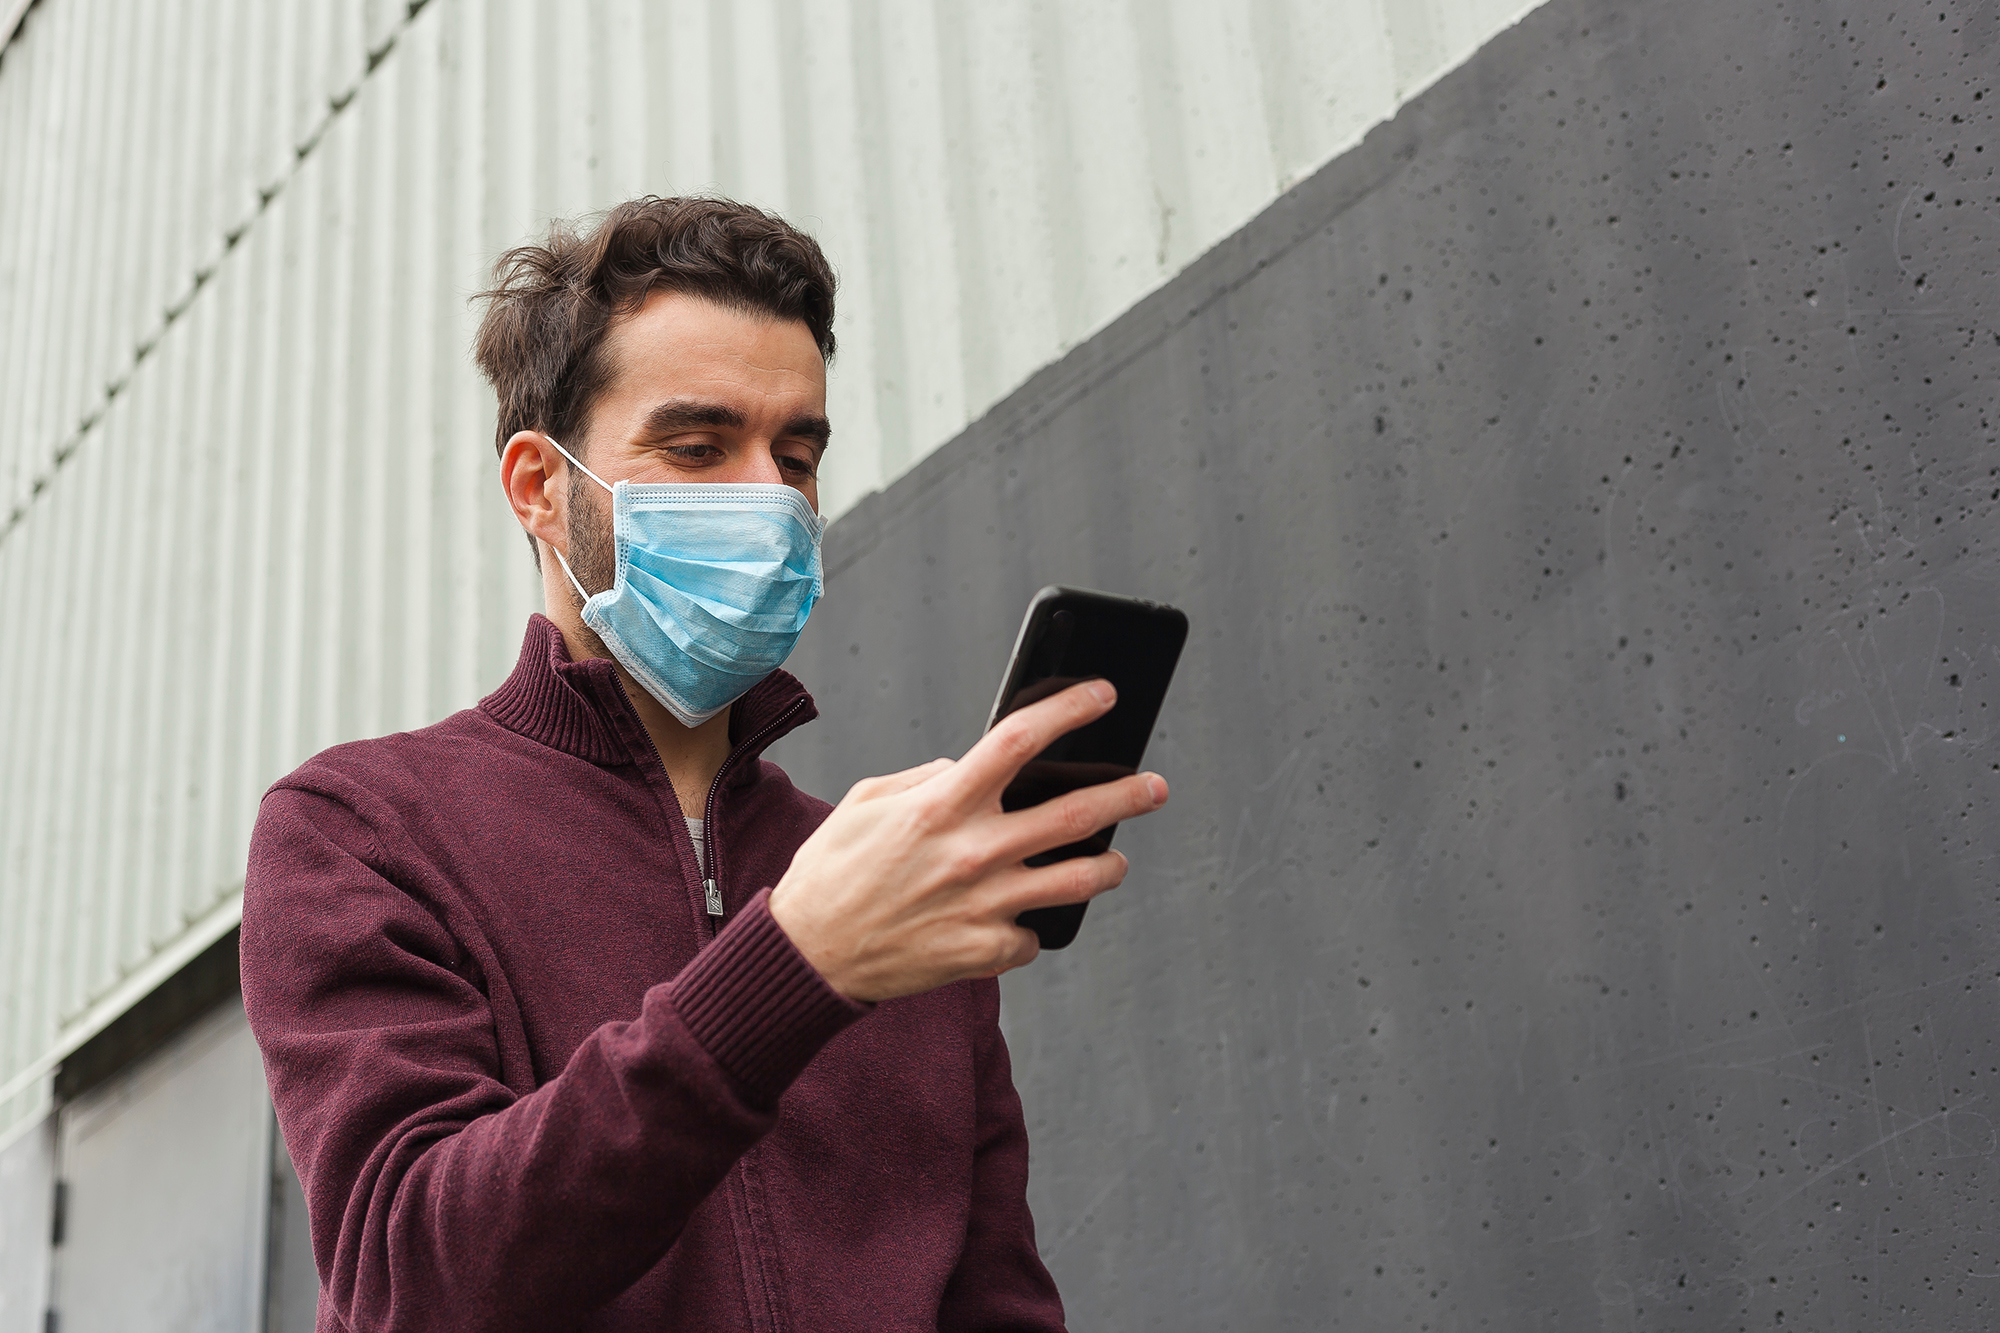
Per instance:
{"type": "Point", "coordinates": [1072, 635]}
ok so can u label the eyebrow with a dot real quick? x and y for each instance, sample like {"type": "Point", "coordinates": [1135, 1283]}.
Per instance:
{"type": "Point", "coordinates": [810, 427]}
{"type": "Point", "coordinates": [681, 414]}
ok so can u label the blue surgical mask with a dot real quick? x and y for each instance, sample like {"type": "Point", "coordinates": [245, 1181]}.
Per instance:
{"type": "Point", "coordinates": [714, 583]}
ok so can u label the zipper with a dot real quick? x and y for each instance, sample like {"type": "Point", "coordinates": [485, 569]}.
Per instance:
{"type": "Point", "coordinates": [711, 884]}
{"type": "Point", "coordinates": [743, 1217]}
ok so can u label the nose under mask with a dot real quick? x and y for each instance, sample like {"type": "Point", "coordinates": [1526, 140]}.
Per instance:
{"type": "Point", "coordinates": [714, 583]}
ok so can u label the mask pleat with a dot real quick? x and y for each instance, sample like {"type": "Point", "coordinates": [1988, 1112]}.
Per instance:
{"type": "Point", "coordinates": [714, 585]}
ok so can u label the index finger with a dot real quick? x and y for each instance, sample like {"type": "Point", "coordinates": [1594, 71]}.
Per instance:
{"type": "Point", "coordinates": [991, 764]}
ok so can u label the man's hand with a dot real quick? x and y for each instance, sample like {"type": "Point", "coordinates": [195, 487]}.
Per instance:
{"type": "Point", "coordinates": [915, 879]}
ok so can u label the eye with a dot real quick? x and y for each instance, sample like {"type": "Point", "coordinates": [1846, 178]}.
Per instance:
{"type": "Point", "coordinates": [795, 466]}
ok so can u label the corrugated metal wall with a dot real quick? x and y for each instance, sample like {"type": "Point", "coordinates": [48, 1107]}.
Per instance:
{"type": "Point", "coordinates": [246, 499]}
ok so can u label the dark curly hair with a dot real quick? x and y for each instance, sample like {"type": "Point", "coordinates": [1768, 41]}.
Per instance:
{"type": "Point", "coordinates": [541, 340]}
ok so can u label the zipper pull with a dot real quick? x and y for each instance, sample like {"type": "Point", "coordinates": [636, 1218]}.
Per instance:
{"type": "Point", "coordinates": [714, 897]}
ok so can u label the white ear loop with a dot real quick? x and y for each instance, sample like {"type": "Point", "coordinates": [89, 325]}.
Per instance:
{"type": "Point", "coordinates": [577, 463]}
{"type": "Point", "coordinates": [579, 466]}
{"type": "Point", "coordinates": [572, 577]}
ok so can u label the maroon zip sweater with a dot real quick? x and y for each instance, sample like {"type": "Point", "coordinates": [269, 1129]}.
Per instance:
{"type": "Point", "coordinates": [530, 1083]}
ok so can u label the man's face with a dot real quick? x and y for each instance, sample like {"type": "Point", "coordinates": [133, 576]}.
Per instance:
{"type": "Point", "coordinates": [698, 393]}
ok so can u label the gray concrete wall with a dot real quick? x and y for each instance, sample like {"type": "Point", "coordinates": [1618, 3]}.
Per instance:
{"type": "Point", "coordinates": [1578, 905]}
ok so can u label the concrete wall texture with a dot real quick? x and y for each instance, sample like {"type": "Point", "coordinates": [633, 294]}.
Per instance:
{"type": "Point", "coordinates": [1577, 907]}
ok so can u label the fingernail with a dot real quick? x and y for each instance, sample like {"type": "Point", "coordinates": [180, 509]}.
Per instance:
{"type": "Point", "coordinates": [1101, 691]}
{"type": "Point", "coordinates": [1156, 787]}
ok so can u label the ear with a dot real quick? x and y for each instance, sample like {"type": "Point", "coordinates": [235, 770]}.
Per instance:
{"type": "Point", "coordinates": [535, 478]}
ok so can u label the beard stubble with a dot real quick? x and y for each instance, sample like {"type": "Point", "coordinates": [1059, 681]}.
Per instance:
{"type": "Point", "coordinates": [593, 553]}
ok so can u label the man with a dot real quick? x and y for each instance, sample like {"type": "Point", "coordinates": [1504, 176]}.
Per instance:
{"type": "Point", "coordinates": [576, 1013]}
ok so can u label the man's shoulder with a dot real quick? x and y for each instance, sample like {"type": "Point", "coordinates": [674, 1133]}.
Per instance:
{"type": "Point", "coordinates": [778, 785]}
{"type": "Point", "coordinates": [770, 806]}
{"type": "Point", "coordinates": [413, 762]}
{"type": "Point", "coordinates": [409, 803]}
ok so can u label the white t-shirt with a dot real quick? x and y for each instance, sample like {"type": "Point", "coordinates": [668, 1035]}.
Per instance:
{"type": "Point", "coordinates": [700, 846]}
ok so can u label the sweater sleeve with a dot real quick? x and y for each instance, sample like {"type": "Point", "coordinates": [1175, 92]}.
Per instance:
{"type": "Point", "coordinates": [439, 1197]}
{"type": "Point", "coordinates": [1000, 1283]}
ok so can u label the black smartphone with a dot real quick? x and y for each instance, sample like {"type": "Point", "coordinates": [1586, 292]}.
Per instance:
{"type": "Point", "coordinates": [1071, 635]}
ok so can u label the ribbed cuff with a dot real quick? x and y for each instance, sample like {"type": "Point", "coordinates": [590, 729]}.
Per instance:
{"type": "Point", "coordinates": [755, 1004]}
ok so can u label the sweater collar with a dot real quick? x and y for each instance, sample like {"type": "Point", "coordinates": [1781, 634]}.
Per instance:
{"type": "Point", "coordinates": [580, 708]}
